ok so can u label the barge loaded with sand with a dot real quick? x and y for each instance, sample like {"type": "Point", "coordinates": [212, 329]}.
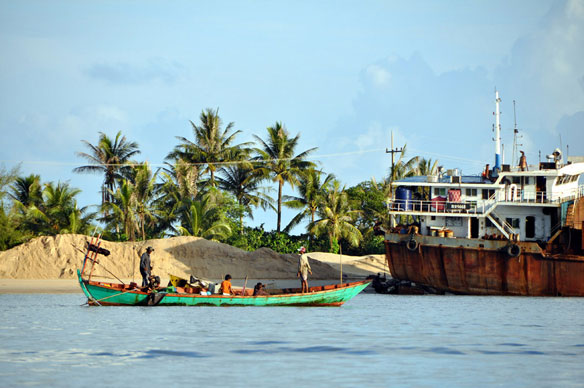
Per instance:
{"type": "Point", "coordinates": [514, 230]}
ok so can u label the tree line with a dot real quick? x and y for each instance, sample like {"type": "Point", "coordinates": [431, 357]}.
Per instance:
{"type": "Point", "coordinates": [209, 184]}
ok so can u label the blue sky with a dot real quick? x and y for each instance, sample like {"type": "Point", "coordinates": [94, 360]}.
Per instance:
{"type": "Point", "coordinates": [342, 74]}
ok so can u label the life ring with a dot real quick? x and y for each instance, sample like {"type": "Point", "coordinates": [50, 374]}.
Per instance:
{"type": "Point", "coordinates": [513, 250]}
{"type": "Point", "coordinates": [412, 245]}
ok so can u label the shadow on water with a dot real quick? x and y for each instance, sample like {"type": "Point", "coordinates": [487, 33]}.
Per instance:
{"type": "Point", "coordinates": [309, 349]}
{"type": "Point", "coordinates": [155, 353]}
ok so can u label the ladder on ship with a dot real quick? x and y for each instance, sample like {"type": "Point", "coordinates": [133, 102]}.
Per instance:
{"type": "Point", "coordinates": [501, 224]}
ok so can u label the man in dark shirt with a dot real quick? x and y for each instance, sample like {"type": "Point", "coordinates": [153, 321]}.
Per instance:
{"type": "Point", "coordinates": [145, 266]}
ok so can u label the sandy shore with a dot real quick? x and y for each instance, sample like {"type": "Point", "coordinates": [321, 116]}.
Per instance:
{"type": "Point", "coordinates": [39, 286]}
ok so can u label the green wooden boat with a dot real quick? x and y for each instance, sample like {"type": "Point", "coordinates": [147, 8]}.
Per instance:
{"type": "Point", "coordinates": [119, 294]}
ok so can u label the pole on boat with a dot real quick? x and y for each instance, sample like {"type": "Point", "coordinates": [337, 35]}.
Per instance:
{"type": "Point", "coordinates": [134, 263]}
{"type": "Point", "coordinates": [341, 261]}
{"type": "Point", "coordinates": [87, 252]}
{"type": "Point", "coordinates": [93, 257]}
{"type": "Point", "coordinates": [244, 284]}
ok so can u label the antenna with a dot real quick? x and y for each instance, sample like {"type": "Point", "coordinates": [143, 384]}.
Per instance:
{"type": "Point", "coordinates": [515, 137]}
{"type": "Point", "coordinates": [561, 142]}
{"type": "Point", "coordinates": [497, 132]}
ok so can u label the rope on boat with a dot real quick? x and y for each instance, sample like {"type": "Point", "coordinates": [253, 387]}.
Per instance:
{"type": "Point", "coordinates": [97, 262]}
{"type": "Point", "coordinates": [108, 271]}
{"type": "Point", "coordinates": [107, 297]}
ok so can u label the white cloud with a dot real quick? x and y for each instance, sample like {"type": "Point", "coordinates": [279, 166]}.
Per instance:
{"type": "Point", "coordinates": [378, 75]}
{"type": "Point", "coordinates": [448, 116]}
{"type": "Point", "coordinates": [154, 69]}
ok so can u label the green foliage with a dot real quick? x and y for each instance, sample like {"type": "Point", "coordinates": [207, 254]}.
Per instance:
{"type": "Point", "coordinates": [334, 246]}
{"type": "Point", "coordinates": [10, 236]}
{"type": "Point", "coordinates": [336, 217]}
{"type": "Point", "coordinates": [367, 197]}
{"type": "Point", "coordinates": [256, 238]}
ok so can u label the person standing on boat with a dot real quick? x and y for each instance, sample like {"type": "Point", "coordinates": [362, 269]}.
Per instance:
{"type": "Point", "coordinates": [303, 269]}
{"type": "Point", "coordinates": [523, 162]}
{"type": "Point", "coordinates": [146, 266]}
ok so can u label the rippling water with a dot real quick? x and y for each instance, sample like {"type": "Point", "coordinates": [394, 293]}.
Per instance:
{"type": "Point", "coordinates": [373, 340]}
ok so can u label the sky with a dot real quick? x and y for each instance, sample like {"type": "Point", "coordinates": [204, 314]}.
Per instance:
{"type": "Point", "coordinates": [342, 74]}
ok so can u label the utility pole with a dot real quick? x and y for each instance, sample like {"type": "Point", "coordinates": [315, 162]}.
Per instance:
{"type": "Point", "coordinates": [392, 151]}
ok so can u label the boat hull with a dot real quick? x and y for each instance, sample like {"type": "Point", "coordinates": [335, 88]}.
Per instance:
{"type": "Point", "coordinates": [483, 267]}
{"type": "Point", "coordinates": [111, 294]}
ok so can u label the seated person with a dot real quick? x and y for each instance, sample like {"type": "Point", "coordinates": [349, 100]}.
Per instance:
{"type": "Point", "coordinates": [225, 288]}
{"type": "Point", "coordinates": [259, 290]}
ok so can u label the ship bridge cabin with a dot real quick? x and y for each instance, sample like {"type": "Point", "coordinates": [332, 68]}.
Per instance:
{"type": "Point", "coordinates": [530, 205]}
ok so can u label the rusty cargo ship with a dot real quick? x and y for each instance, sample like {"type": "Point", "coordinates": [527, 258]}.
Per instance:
{"type": "Point", "coordinates": [514, 230]}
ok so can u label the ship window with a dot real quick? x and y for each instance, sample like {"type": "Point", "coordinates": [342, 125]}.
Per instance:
{"type": "Point", "coordinates": [433, 218]}
{"type": "Point", "coordinates": [488, 223]}
{"type": "Point", "coordinates": [530, 227]}
{"type": "Point", "coordinates": [453, 221]}
{"type": "Point", "coordinates": [516, 180]}
{"type": "Point", "coordinates": [440, 191]}
{"type": "Point", "coordinates": [488, 193]}
{"type": "Point", "coordinates": [514, 222]}
{"type": "Point", "coordinates": [471, 192]}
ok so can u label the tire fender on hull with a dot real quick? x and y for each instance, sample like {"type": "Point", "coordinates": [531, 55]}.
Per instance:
{"type": "Point", "coordinates": [412, 245]}
{"type": "Point", "coordinates": [513, 250]}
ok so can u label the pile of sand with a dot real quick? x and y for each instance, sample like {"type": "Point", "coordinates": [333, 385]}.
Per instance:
{"type": "Point", "coordinates": [60, 256]}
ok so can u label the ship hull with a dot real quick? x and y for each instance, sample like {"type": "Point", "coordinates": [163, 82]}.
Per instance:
{"type": "Point", "coordinates": [483, 267]}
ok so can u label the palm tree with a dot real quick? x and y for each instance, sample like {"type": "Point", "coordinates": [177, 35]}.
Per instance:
{"type": "Point", "coordinates": [245, 185]}
{"type": "Point", "coordinates": [336, 217]}
{"type": "Point", "coordinates": [79, 221]}
{"type": "Point", "coordinates": [6, 179]}
{"type": "Point", "coordinates": [178, 185]}
{"type": "Point", "coordinates": [403, 169]}
{"type": "Point", "coordinates": [213, 145]}
{"type": "Point", "coordinates": [144, 181]}
{"type": "Point", "coordinates": [336, 220]}
{"type": "Point", "coordinates": [278, 160]}
{"type": "Point", "coordinates": [123, 210]}
{"type": "Point", "coordinates": [27, 196]}
{"type": "Point", "coordinates": [382, 215]}
{"type": "Point", "coordinates": [109, 157]}
{"type": "Point", "coordinates": [426, 167]}
{"type": "Point", "coordinates": [200, 220]}
{"type": "Point", "coordinates": [27, 190]}
{"type": "Point", "coordinates": [59, 203]}
{"type": "Point", "coordinates": [311, 191]}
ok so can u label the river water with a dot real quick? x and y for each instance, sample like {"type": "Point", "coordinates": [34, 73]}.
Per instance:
{"type": "Point", "coordinates": [373, 341]}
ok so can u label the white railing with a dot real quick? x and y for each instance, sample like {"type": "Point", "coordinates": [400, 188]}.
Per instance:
{"type": "Point", "coordinates": [484, 206]}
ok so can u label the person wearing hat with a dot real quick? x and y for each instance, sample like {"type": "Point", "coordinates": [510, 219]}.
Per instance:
{"type": "Point", "coordinates": [303, 269]}
{"type": "Point", "coordinates": [145, 266]}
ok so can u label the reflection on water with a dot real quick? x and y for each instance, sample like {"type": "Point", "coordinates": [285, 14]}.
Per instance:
{"type": "Point", "coordinates": [374, 340]}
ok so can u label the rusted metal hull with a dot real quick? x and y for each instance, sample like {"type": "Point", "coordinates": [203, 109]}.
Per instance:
{"type": "Point", "coordinates": [480, 267]}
